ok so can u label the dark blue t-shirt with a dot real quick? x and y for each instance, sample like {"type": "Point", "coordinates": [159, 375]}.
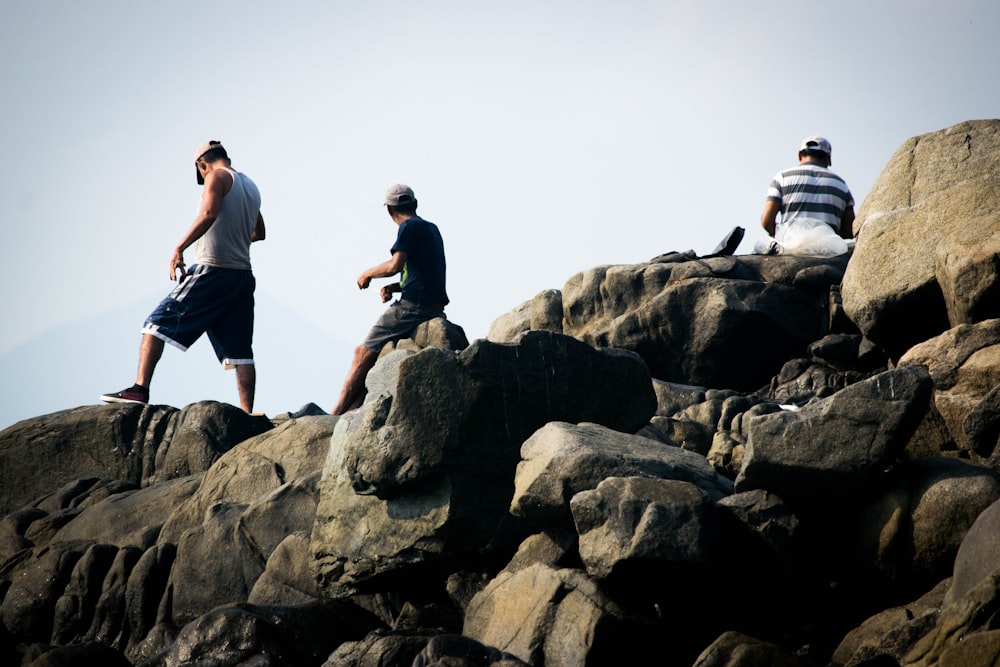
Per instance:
{"type": "Point", "coordinates": [423, 279]}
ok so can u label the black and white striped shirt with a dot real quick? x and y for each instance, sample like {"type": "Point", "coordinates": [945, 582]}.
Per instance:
{"type": "Point", "coordinates": [810, 191]}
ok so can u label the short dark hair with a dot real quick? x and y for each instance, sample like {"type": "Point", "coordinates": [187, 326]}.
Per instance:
{"type": "Point", "coordinates": [815, 155]}
{"type": "Point", "coordinates": [217, 152]}
{"type": "Point", "coordinates": [403, 209]}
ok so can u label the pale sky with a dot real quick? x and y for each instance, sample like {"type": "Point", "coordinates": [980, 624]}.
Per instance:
{"type": "Point", "coordinates": [544, 138]}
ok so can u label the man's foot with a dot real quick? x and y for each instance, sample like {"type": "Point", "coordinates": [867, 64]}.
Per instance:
{"type": "Point", "coordinates": [134, 394]}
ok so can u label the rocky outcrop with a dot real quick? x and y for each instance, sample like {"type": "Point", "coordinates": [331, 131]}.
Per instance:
{"type": "Point", "coordinates": [712, 461]}
{"type": "Point", "coordinates": [143, 446]}
{"type": "Point", "coordinates": [441, 444]}
{"type": "Point", "coordinates": [694, 320]}
{"type": "Point", "coordinates": [927, 256]}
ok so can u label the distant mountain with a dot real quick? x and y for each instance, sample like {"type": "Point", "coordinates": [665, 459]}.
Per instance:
{"type": "Point", "coordinates": [73, 365]}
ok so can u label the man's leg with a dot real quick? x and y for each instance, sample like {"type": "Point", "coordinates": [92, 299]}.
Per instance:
{"type": "Point", "coordinates": [150, 351]}
{"type": "Point", "coordinates": [353, 393]}
{"type": "Point", "coordinates": [246, 383]}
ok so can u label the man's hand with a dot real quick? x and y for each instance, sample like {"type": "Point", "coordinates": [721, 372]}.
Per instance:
{"type": "Point", "coordinates": [388, 290]}
{"type": "Point", "coordinates": [364, 280]}
{"type": "Point", "coordinates": [177, 262]}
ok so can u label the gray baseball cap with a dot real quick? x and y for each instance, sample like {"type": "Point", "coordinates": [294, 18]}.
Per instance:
{"type": "Point", "coordinates": [399, 194]}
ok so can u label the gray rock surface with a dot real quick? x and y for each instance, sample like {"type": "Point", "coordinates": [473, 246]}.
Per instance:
{"type": "Point", "coordinates": [927, 250]}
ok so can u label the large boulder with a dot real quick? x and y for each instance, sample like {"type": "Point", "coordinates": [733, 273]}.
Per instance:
{"type": "Point", "coordinates": [978, 554]}
{"type": "Point", "coordinates": [552, 616]}
{"type": "Point", "coordinates": [424, 470]}
{"type": "Point", "coordinates": [644, 524]}
{"type": "Point", "coordinates": [244, 634]}
{"type": "Point", "coordinates": [129, 566]}
{"type": "Point", "coordinates": [928, 251]}
{"type": "Point", "coordinates": [890, 633]}
{"type": "Point", "coordinates": [964, 363]}
{"type": "Point", "coordinates": [130, 518]}
{"type": "Point", "coordinates": [694, 320]}
{"type": "Point", "coordinates": [543, 311]}
{"type": "Point", "coordinates": [735, 649]}
{"type": "Point", "coordinates": [449, 411]}
{"type": "Point", "coordinates": [964, 631]}
{"type": "Point", "coordinates": [276, 461]}
{"type": "Point", "coordinates": [561, 460]}
{"type": "Point", "coordinates": [128, 442]}
{"type": "Point", "coordinates": [830, 447]}
{"type": "Point", "coordinates": [921, 512]}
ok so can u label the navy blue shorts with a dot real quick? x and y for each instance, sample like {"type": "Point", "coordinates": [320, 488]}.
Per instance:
{"type": "Point", "coordinates": [209, 300]}
{"type": "Point", "coordinates": [397, 322]}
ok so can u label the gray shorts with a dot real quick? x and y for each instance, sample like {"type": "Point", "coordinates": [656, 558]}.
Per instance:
{"type": "Point", "coordinates": [398, 321]}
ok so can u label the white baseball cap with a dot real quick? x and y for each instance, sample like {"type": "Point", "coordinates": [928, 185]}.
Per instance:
{"type": "Point", "coordinates": [816, 144]}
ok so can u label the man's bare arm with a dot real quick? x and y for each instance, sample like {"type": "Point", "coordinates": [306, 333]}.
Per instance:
{"type": "Point", "coordinates": [217, 184]}
{"type": "Point", "coordinates": [769, 217]}
{"type": "Point", "coordinates": [259, 233]}
{"type": "Point", "coordinates": [847, 223]}
{"type": "Point", "coordinates": [387, 268]}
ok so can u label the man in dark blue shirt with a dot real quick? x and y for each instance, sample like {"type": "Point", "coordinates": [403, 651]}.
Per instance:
{"type": "Point", "coordinates": [418, 254]}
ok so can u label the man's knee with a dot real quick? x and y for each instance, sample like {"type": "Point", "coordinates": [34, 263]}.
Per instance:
{"type": "Point", "coordinates": [363, 354]}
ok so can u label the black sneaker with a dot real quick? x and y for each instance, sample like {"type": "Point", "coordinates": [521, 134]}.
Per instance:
{"type": "Point", "coordinates": [134, 394]}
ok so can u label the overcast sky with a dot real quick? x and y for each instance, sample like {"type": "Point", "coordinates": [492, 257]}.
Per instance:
{"type": "Point", "coordinates": [543, 137]}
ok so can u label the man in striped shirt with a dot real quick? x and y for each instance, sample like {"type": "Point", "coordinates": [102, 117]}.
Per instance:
{"type": "Point", "coordinates": [809, 191]}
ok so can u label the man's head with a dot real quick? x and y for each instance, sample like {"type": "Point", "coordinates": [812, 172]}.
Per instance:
{"type": "Point", "coordinates": [816, 149]}
{"type": "Point", "coordinates": [208, 153]}
{"type": "Point", "coordinates": [400, 200]}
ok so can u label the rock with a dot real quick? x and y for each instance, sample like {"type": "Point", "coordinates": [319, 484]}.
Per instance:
{"type": "Point", "coordinates": [87, 653]}
{"type": "Point", "coordinates": [982, 425]}
{"type": "Point", "coordinates": [734, 649]}
{"type": "Point", "coordinates": [960, 620]}
{"type": "Point", "coordinates": [74, 610]}
{"type": "Point", "coordinates": [294, 450]}
{"type": "Point", "coordinates": [130, 518]}
{"type": "Point", "coordinates": [921, 512]}
{"type": "Point", "coordinates": [29, 604]}
{"type": "Point", "coordinates": [426, 473]}
{"type": "Point", "coordinates": [672, 398]}
{"type": "Point", "coordinates": [12, 530]}
{"type": "Point", "coordinates": [766, 515]}
{"type": "Point", "coordinates": [109, 616]}
{"type": "Point", "coordinates": [436, 332]}
{"type": "Point", "coordinates": [248, 634]}
{"type": "Point", "coordinates": [129, 442]}
{"type": "Point", "coordinates": [891, 633]}
{"type": "Point", "coordinates": [561, 460]}
{"type": "Point", "coordinates": [832, 446]}
{"type": "Point", "coordinates": [562, 618]}
{"type": "Point", "coordinates": [927, 248]}
{"type": "Point", "coordinates": [544, 311]}
{"type": "Point", "coordinates": [502, 391]}
{"type": "Point", "coordinates": [693, 321]}
{"type": "Point", "coordinates": [450, 649]}
{"type": "Point", "coordinates": [287, 577]}
{"type": "Point", "coordinates": [964, 363]}
{"type": "Point", "coordinates": [144, 591]}
{"type": "Point", "coordinates": [378, 649]}
{"type": "Point", "coordinates": [977, 555]}
{"type": "Point", "coordinates": [643, 524]}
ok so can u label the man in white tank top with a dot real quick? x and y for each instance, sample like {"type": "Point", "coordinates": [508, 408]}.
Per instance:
{"type": "Point", "coordinates": [215, 294]}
